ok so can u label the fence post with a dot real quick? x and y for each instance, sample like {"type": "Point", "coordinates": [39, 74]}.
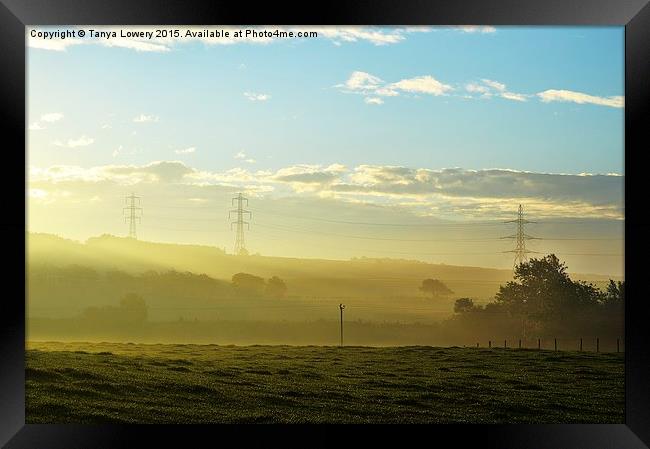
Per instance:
{"type": "Point", "coordinates": [580, 344]}
{"type": "Point", "coordinates": [477, 345]}
{"type": "Point", "coordinates": [520, 343]}
{"type": "Point", "coordinates": [597, 344]}
{"type": "Point", "coordinates": [505, 344]}
{"type": "Point", "coordinates": [489, 343]}
{"type": "Point", "coordinates": [539, 343]}
{"type": "Point", "coordinates": [555, 344]}
{"type": "Point", "coordinates": [617, 345]}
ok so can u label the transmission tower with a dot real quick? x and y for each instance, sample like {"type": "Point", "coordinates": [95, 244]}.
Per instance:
{"type": "Point", "coordinates": [131, 213]}
{"type": "Point", "coordinates": [240, 245]}
{"type": "Point", "coordinates": [521, 253]}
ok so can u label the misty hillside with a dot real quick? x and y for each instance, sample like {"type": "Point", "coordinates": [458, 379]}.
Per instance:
{"type": "Point", "coordinates": [305, 277]}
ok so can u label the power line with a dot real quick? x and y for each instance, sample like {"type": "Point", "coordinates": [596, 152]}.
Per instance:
{"type": "Point", "coordinates": [366, 223]}
{"type": "Point", "coordinates": [306, 231]}
{"type": "Point", "coordinates": [473, 223]}
{"type": "Point", "coordinates": [363, 237]}
{"type": "Point", "coordinates": [277, 238]}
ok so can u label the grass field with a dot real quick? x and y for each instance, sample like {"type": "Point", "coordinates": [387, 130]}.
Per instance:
{"type": "Point", "coordinates": [133, 383]}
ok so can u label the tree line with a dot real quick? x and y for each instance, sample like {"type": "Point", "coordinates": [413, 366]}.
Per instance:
{"type": "Point", "coordinates": [542, 298]}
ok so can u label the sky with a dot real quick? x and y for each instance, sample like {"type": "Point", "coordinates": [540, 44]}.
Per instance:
{"type": "Point", "coordinates": [412, 142]}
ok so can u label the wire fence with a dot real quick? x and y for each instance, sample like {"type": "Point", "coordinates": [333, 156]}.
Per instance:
{"type": "Point", "coordinates": [579, 344]}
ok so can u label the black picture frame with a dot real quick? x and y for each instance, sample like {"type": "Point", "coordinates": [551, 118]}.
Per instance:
{"type": "Point", "coordinates": [15, 15]}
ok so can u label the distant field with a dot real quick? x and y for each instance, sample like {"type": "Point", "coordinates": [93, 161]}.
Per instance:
{"type": "Point", "coordinates": [135, 383]}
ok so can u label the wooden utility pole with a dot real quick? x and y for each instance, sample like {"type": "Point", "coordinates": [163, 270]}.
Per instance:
{"type": "Point", "coordinates": [341, 307]}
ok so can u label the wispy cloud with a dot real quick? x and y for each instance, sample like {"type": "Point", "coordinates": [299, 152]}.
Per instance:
{"type": "Point", "coordinates": [580, 98]}
{"type": "Point", "coordinates": [243, 157]}
{"type": "Point", "coordinates": [82, 141]}
{"type": "Point", "coordinates": [374, 87]}
{"type": "Point", "coordinates": [52, 117]}
{"type": "Point", "coordinates": [143, 118]}
{"type": "Point", "coordinates": [47, 118]}
{"type": "Point", "coordinates": [373, 100]}
{"type": "Point", "coordinates": [487, 88]}
{"type": "Point", "coordinates": [257, 97]}
{"type": "Point", "coordinates": [118, 151]}
{"type": "Point", "coordinates": [362, 81]}
{"type": "Point", "coordinates": [482, 29]}
{"type": "Point", "coordinates": [373, 35]}
{"type": "Point", "coordinates": [422, 84]}
{"type": "Point", "coordinates": [185, 150]}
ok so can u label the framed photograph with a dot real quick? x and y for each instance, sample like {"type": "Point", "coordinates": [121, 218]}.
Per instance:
{"type": "Point", "coordinates": [348, 213]}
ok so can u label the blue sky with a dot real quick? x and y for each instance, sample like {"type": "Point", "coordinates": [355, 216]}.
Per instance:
{"type": "Point", "coordinates": [331, 117]}
{"type": "Point", "coordinates": [197, 92]}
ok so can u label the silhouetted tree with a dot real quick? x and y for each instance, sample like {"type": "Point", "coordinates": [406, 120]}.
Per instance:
{"type": "Point", "coordinates": [463, 305]}
{"type": "Point", "coordinates": [248, 282]}
{"type": "Point", "coordinates": [543, 289]}
{"type": "Point", "coordinates": [615, 292]}
{"type": "Point", "coordinates": [276, 287]}
{"type": "Point", "coordinates": [134, 307]}
{"type": "Point", "coordinates": [435, 288]}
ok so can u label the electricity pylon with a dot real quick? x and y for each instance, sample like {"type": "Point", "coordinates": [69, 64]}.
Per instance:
{"type": "Point", "coordinates": [240, 245]}
{"type": "Point", "coordinates": [521, 253]}
{"type": "Point", "coordinates": [132, 215]}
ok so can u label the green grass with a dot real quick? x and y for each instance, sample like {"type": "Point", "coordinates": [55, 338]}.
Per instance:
{"type": "Point", "coordinates": [135, 383]}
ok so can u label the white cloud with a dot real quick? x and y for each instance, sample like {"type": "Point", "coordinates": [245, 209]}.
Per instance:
{"type": "Point", "coordinates": [452, 190]}
{"type": "Point", "coordinates": [476, 29]}
{"type": "Point", "coordinates": [477, 88]}
{"type": "Point", "coordinates": [489, 88]}
{"type": "Point", "coordinates": [374, 100]}
{"type": "Point", "coordinates": [257, 97]}
{"type": "Point", "coordinates": [241, 155]}
{"type": "Point", "coordinates": [422, 84]}
{"type": "Point", "coordinates": [52, 44]}
{"type": "Point", "coordinates": [82, 141]}
{"type": "Point", "coordinates": [580, 98]}
{"type": "Point", "coordinates": [374, 87]}
{"type": "Point", "coordinates": [154, 172]}
{"type": "Point", "coordinates": [309, 174]}
{"type": "Point", "coordinates": [186, 150]}
{"type": "Point", "coordinates": [136, 45]}
{"type": "Point", "coordinates": [48, 118]}
{"type": "Point", "coordinates": [143, 118]}
{"type": "Point", "coordinates": [354, 34]}
{"type": "Point", "coordinates": [362, 81]}
{"type": "Point", "coordinates": [386, 92]}
{"type": "Point", "coordinates": [513, 96]}
{"type": "Point", "coordinates": [106, 126]}
{"type": "Point", "coordinates": [494, 84]}
{"type": "Point", "coordinates": [51, 117]}
{"type": "Point", "coordinates": [118, 151]}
